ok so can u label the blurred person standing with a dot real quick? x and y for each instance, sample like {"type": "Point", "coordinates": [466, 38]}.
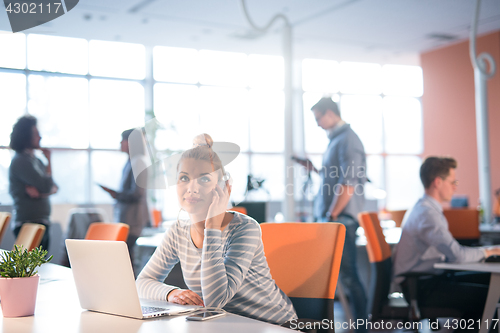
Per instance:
{"type": "Point", "coordinates": [30, 180]}
{"type": "Point", "coordinates": [341, 194]}
{"type": "Point", "coordinates": [131, 200]}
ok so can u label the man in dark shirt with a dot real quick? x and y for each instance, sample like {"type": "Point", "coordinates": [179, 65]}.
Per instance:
{"type": "Point", "coordinates": [30, 181]}
{"type": "Point", "coordinates": [341, 194]}
{"type": "Point", "coordinates": [131, 199]}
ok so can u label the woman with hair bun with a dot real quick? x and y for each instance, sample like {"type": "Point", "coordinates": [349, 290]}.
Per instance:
{"type": "Point", "coordinates": [221, 253]}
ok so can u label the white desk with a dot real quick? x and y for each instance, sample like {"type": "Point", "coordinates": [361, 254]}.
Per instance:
{"type": "Point", "coordinates": [489, 228]}
{"type": "Point", "coordinates": [58, 310]}
{"type": "Point", "coordinates": [493, 290]}
{"type": "Point", "coordinates": [392, 236]}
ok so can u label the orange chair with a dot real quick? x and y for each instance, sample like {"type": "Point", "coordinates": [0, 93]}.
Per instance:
{"type": "Point", "coordinates": [397, 216]}
{"type": "Point", "coordinates": [463, 224]}
{"type": "Point", "coordinates": [304, 259]}
{"type": "Point", "coordinates": [4, 223]}
{"type": "Point", "coordinates": [496, 204]}
{"type": "Point", "coordinates": [157, 217]}
{"type": "Point", "coordinates": [30, 235]}
{"type": "Point", "coordinates": [381, 306]}
{"type": "Point", "coordinates": [108, 231]}
{"type": "Point", "coordinates": [239, 209]}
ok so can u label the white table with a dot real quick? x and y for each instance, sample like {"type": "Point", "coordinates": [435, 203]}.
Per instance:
{"type": "Point", "coordinates": [493, 290]}
{"type": "Point", "coordinates": [392, 236]}
{"type": "Point", "coordinates": [58, 310]}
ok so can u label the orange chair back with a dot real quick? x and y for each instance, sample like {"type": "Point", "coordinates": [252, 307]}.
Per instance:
{"type": "Point", "coordinates": [496, 207]}
{"type": "Point", "coordinates": [463, 223]}
{"type": "Point", "coordinates": [397, 216]}
{"type": "Point", "coordinates": [30, 236]}
{"type": "Point", "coordinates": [4, 223]}
{"type": "Point", "coordinates": [376, 245]}
{"type": "Point", "coordinates": [239, 209]}
{"type": "Point", "coordinates": [304, 258]}
{"type": "Point", "coordinates": [108, 231]}
{"type": "Point", "coordinates": [157, 217]}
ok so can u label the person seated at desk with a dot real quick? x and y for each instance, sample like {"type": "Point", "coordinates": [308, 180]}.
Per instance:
{"type": "Point", "coordinates": [426, 240]}
{"type": "Point", "coordinates": [221, 253]}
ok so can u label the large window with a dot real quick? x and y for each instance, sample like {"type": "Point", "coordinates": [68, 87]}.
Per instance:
{"type": "Point", "coordinates": [231, 96]}
{"type": "Point", "coordinates": [59, 103]}
{"type": "Point", "coordinates": [382, 105]}
{"type": "Point", "coordinates": [57, 54]}
{"type": "Point", "coordinates": [85, 93]}
{"type": "Point", "coordinates": [15, 45]}
{"type": "Point", "coordinates": [12, 102]}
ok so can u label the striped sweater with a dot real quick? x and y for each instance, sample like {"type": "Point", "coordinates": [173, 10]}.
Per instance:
{"type": "Point", "coordinates": [229, 272]}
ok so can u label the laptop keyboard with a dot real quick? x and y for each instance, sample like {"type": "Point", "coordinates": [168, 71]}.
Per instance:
{"type": "Point", "coordinates": [151, 309]}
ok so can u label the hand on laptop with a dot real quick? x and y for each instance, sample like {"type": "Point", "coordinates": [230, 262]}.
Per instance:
{"type": "Point", "coordinates": [492, 250]}
{"type": "Point", "coordinates": [184, 297]}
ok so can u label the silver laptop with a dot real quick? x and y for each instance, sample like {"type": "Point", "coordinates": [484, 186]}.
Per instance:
{"type": "Point", "coordinates": [105, 281]}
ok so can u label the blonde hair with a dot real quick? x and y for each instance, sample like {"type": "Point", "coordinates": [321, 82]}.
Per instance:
{"type": "Point", "coordinates": [202, 150]}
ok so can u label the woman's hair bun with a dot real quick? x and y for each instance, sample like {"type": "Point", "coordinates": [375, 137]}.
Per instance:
{"type": "Point", "coordinates": [203, 140]}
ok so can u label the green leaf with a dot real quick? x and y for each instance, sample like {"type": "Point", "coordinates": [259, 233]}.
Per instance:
{"type": "Point", "coordinates": [22, 263]}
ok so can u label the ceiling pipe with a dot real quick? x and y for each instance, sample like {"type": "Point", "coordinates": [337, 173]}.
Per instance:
{"type": "Point", "coordinates": [288, 203]}
{"type": "Point", "coordinates": [481, 76]}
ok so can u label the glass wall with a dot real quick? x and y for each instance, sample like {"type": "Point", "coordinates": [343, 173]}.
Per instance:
{"type": "Point", "coordinates": [232, 96]}
{"type": "Point", "coordinates": [382, 105]}
{"type": "Point", "coordinates": [85, 93]}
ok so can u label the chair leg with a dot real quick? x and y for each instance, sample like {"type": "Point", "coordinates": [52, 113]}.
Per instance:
{"type": "Point", "coordinates": [414, 314]}
{"type": "Point", "coordinates": [491, 300]}
{"type": "Point", "coordinates": [345, 304]}
{"type": "Point", "coordinates": [498, 315]}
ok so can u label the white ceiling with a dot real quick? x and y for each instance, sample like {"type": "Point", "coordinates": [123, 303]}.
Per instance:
{"type": "Point", "coordinates": [384, 31]}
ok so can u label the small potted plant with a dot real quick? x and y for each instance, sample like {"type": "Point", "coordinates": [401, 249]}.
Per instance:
{"type": "Point", "coordinates": [19, 280]}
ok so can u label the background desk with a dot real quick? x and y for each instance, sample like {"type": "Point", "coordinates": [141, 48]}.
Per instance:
{"type": "Point", "coordinates": [490, 233]}
{"type": "Point", "coordinates": [493, 290]}
{"type": "Point", "coordinates": [58, 310]}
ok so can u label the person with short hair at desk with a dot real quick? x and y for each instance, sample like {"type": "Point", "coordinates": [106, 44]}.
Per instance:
{"type": "Point", "coordinates": [426, 240]}
{"type": "Point", "coordinates": [221, 252]}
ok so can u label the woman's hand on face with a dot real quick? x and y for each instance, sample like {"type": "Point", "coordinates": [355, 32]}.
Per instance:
{"type": "Point", "coordinates": [46, 152]}
{"type": "Point", "coordinates": [218, 207]}
{"type": "Point", "coordinates": [184, 297]}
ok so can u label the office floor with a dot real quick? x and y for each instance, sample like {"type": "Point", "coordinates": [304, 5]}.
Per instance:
{"type": "Point", "coordinates": [424, 325]}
